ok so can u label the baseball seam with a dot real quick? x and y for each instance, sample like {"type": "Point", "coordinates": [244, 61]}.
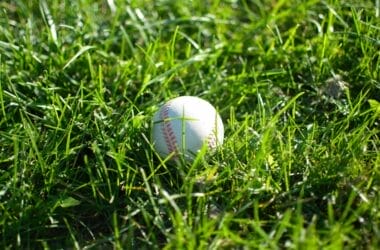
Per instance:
{"type": "Point", "coordinates": [211, 140]}
{"type": "Point", "coordinates": [167, 130]}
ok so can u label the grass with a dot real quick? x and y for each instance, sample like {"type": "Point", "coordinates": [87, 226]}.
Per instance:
{"type": "Point", "coordinates": [296, 83]}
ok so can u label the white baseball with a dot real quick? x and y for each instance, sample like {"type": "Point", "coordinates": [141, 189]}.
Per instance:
{"type": "Point", "coordinates": [183, 125]}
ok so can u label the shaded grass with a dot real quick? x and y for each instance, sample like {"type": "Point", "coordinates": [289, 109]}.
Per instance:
{"type": "Point", "coordinates": [299, 168]}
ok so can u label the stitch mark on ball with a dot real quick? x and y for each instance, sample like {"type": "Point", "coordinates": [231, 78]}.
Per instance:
{"type": "Point", "coordinates": [212, 140]}
{"type": "Point", "coordinates": [167, 130]}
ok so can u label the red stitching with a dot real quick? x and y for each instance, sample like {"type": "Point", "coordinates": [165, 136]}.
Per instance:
{"type": "Point", "coordinates": [167, 130]}
{"type": "Point", "coordinates": [211, 140]}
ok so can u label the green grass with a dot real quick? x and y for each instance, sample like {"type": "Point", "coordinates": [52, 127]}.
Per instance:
{"type": "Point", "coordinates": [81, 80]}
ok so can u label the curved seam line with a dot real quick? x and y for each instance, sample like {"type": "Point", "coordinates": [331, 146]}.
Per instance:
{"type": "Point", "coordinates": [167, 130]}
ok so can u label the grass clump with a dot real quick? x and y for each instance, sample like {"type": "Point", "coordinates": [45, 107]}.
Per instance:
{"type": "Point", "coordinates": [296, 84]}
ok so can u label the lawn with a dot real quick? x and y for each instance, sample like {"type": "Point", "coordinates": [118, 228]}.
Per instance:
{"type": "Point", "coordinates": [297, 84]}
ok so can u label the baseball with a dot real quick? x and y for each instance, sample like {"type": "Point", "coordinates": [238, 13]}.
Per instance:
{"type": "Point", "coordinates": [184, 125]}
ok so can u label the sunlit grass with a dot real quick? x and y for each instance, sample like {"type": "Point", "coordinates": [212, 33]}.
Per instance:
{"type": "Point", "coordinates": [296, 84]}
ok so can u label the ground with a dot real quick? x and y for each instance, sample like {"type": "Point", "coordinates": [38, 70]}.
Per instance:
{"type": "Point", "coordinates": [296, 83]}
